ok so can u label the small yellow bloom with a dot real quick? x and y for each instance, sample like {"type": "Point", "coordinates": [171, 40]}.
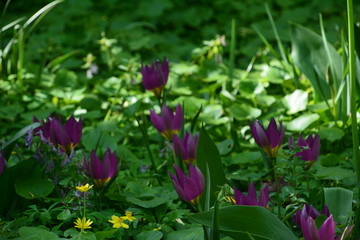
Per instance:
{"type": "Point", "coordinates": [84, 188]}
{"type": "Point", "coordinates": [118, 222]}
{"type": "Point", "coordinates": [83, 223]}
{"type": "Point", "coordinates": [128, 216]}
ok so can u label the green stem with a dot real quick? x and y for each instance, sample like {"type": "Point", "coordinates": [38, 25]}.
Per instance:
{"type": "Point", "coordinates": [353, 111]}
{"type": "Point", "coordinates": [276, 178]}
{"type": "Point", "coordinates": [84, 204]}
{"type": "Point", "coordinates": [146, 142]}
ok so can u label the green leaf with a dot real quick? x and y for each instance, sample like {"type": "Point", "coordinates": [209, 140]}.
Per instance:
{"type": "Point", "coordinates": [239, 222]}
{"type": "Point", "coordinates": [33, 233]}
{"type": "Point", "coordinates": [334, 173]}
{"type": "Point", "coordinates": [209, 161]}
{"type": "Point", "coordinates": [302, 122]}
{"type": "Point", "coordinates": [188, 234]}
{"type": "Point", "coordinates": [332, 134]}
{"type": "Point", "coordinates": [309, 54]}
{"type": "Point", "coordinates": [330, 160]}
{"type": "Point", "coordinates": [243, 112]}
{"type": "Point", "coordinates": [296, 101]}
{"type": "Point", "coordinates": [339, 201]}
{"type": "Point", "coordinates": [225, 146]}
{"type": "Point", "coordinates": [10, 144]}
{"type": "Point", "coordinates": [34, 187]}
{"type": "Point", "coordinates": [101, 235]}
{"type": "Point", "coordinates": [149, 235]}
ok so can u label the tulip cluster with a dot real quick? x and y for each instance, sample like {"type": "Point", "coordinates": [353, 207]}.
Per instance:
{"type": "Point", "coordinates": [102, 171]}
{"type": "Point", "coordinates": [168, 124]}
{"type": "Point", "coordinates": [155, 77]}
{"type": "Point", "coordinates": [251, 199]}
{"type": "Point", "coordinates": [65, 136]}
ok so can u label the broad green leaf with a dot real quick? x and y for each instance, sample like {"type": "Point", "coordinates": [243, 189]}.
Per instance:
{"type": "Point", "coordinates": [330, 160]}
{"type": "Point", "coordinates": [302, 122]}
{"type": "Point", "coordinates": [334, 173]}
{"type": "Point", "coordinates": [309, 54]}
{"type": "Point", "coordinates": [102, 235]}
{"type": "Point", "coordinates": [225, 146]}
{"type": "Point", "coordinates": [33, 233]}
{"type": "Point", "coordinates": [188, 234]}
{"type": "Point", "coordinates": [209, 161]}
{"type": "Point", "coordinates": [331, 134]}
{"type": "Point", "coordinates": [246, 157]}
{"type": "Point", "coordinates": [239, 222]}
{"type": "Point", "coordinates": [339, 201]}
{"type": "Point", "coordinates": [296, 101]}
{"type": "Point", "coordinates": [34, 187]}
{"type": "Point", "coordinates": [149, 235]}
{"type": "Point", "coordinates": [243, 111]}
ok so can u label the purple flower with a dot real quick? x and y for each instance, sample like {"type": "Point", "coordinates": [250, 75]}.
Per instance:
{"type": "Point", "coordinates": [188, 188]}
{"type": "Point", "coordinates": [2, 162]}
{"type": "Point", "coordinates": [310, 231]}
{"type": "Point", "coordinates": [187, 147]}
{"type": "Point", "coordinates": [250, 199]}
{"type": "Point", "coordinates": [310, 148]}
{"type": "Point", "coordinates": [66, 136]}
{"type": "Point", "coordinates": [155, 77]}
{"type": "Point", "coordinates": [167, 124]}
{"type": "Point", "coordinates": [102, 171]}
{"type": "Point", "coordinates": [269, 140]}
{"type": "Point", "coordinates": [308, 211]}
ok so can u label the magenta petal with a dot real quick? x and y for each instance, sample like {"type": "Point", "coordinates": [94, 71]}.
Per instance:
{"type": "Point", "coordinates": [60, 134]}
{"type": "Point", "coordinates": [2, 162]}
{"type": "Point", "coordinates": [178, 188]}
{"type": "Point", "coordinates": [327, 230]}
{"type": "Point", "coordinates": [252, 192]}
{"type": "Point", "coordinates": [157, 121]}
{"type": "Point", "coordinates": [176, 142]}
{"type": "Point", "coordinates": [264, 197]}
{"type": "Point", "coordinates": [177, 121]}
{"type": "Point", "coordinates": [198, 178]}
{"type": "Point", "coordinates": [238, 195]}
{"type": "Point", "coordinates": [259, 134]}
{"type": "Point", "coordinates": [167, 116]}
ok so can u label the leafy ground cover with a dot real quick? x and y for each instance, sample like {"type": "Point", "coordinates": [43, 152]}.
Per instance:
{"type": "Point", "coordinates": [250, 134]}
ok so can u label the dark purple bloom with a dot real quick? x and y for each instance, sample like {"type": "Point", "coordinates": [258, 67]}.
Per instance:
{"type": "Point", "coordinates": [102, 171]}
{"type": "Point", "coordinates": [251, 199]}
{"type": "Point", "coordinates": [187, 147]}
{"type": "Point", "coordinates": [269, 140]}
{"type": "Point", "coordinates": [2, 162]}
{"type": "Point", "coordinates": [310, 148]}
{"type": "Point", "coordinates": [167, 124]}
{"type": "Point", "coordinates": [308, 211]}
{"type": "Point", "coordinates": [155, 77]}
{"type": "Point", "coordinates": [310, 232]}
{"type": "Point", "coordinates": [66, 136]}
{"type": "Point", "coordinates": [188, 188]}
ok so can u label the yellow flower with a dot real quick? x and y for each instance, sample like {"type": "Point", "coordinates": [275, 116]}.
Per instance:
{"type": "Point", "coordinates": [83, 223]}
{"type": "Point", "coordinates": [118, 222]}
{"type": "Point", "coordinates": [128, 216]}
{"type": "Point", "coordinates": [84, 188]}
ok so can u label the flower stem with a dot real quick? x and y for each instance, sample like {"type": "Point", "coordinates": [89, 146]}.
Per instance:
{"type": "Point", "coordinates": [355, 136]}
{"type": "Point", "coordinates": [84, 204]}
{"type": "Point", "coordinates": [276, 178]}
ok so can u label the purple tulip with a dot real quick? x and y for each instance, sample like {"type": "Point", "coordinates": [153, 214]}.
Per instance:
{"type": "Point", "coordinates": [2, 162]}
{"type": "Point", "coordinates": [308, 211]}
{"type": "Point", "coordinates": [310, 232]}
{"type": "Point", "coordinates": [167, 124]}
{"type": "Point", "coordinates": [271, 139]}
{"type": "Point", "coordinates": [102, 171]}
{"type": "Point", "coordinates": [187, 147]}
{"type": "Point", "coordinates": [66, 136]}
{"type": "Point", "coordinates": [310, 148]}
{"type": "Point", "coordinates": [155, 77]}
{"type": "Point", "coordinates": [188, 188]}
{"type": "Point", "coordinates": [250, 199]}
